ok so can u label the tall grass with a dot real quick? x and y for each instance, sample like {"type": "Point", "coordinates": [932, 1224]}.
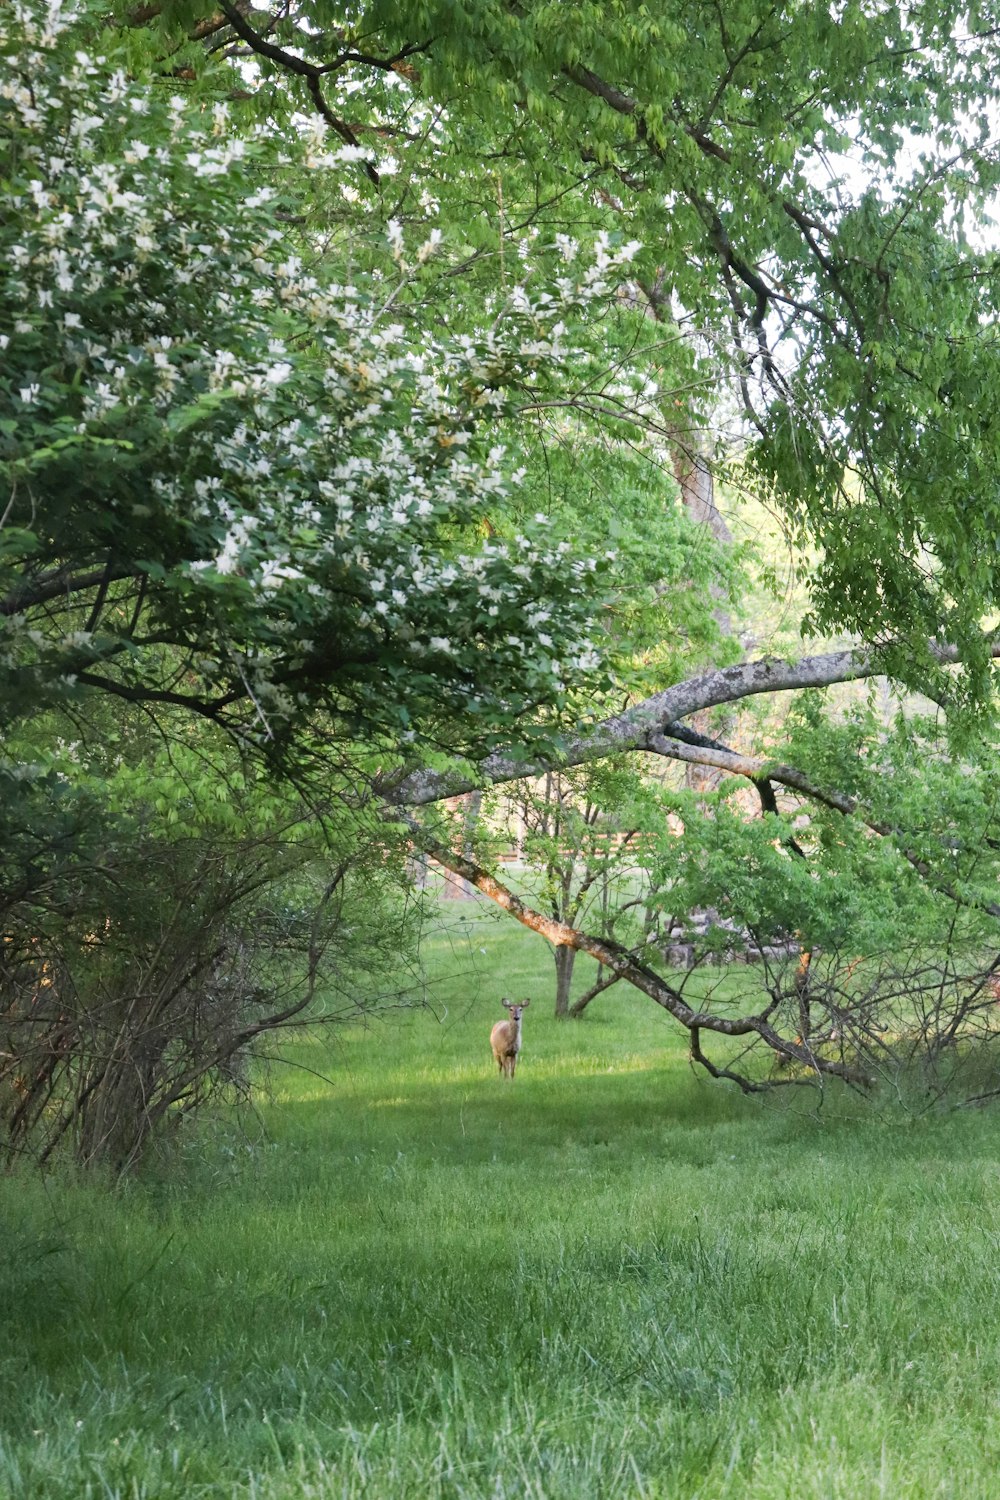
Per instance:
{"type": "Point", "coordinates": [609, 1278]}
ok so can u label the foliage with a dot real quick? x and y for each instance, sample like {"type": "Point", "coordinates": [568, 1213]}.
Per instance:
{"type": "Point", "coordinates": [857, 892]}
{"type": "Point", "coordinates": [931, 813]}
{"type": "Point", "coordinates": [239, 483]}
{"type": "Point", "coordinates": [162, 913]}
{"type": "Point", "coordinates": [804, 185]}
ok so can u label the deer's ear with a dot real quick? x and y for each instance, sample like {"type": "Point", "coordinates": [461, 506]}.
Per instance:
{"type": "Point", "coordinates": [525, 1002]}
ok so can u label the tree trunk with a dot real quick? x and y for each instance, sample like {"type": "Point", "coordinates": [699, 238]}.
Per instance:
{"type": "Point", "coordinates": [457, 889]}
{"type": "Point", "coordinates": [698, 495]}
{"type": "Point", "coordinates": [605, 979]}
{"type": "Point", "coordinates": [564, 959]}
{"type": "Point", "coordinates": [698, 488]}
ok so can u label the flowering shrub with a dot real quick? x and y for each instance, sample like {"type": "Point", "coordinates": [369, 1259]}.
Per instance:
{"type": "Point", "coordinates": [231, 481]}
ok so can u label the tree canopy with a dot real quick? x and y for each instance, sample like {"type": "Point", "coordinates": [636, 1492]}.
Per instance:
{"type": "Point", "coordinates": [810, 188]}
{"type": "Point", "coordinates": [281, 409]}
{"type": "Point", "coordinates": [356, 364]}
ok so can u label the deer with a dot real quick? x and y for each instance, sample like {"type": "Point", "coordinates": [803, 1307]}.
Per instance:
{"type": "Point", "coordinates": [505, 1038]}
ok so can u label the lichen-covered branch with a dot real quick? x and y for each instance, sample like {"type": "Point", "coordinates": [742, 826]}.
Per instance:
{"type": "Point", "coordinates": [641, 726]}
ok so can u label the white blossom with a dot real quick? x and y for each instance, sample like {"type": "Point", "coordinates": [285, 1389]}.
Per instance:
{"type": "Point", "coordinates": [374, 471]}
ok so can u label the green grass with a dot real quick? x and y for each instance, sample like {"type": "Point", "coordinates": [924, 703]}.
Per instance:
{"type": "Point", "coordinates": [610, 1278]}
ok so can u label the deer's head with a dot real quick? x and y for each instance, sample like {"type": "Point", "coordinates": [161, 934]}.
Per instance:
{"type": "Point", "coordinates": [514, 1008]}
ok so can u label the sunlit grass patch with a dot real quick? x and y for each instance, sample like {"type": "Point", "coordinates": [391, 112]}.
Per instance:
{"type": "Point", "coordinates": [608, 1278]}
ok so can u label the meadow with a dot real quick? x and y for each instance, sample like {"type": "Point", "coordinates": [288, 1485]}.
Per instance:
{"type": "Point", "coordinates": [611, 1278]}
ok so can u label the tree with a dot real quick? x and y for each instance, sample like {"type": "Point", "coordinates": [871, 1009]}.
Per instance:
{"type": "Point", "coordinates": [349, 526]}
{"type": "Point", "coordinates": [164, 911]}
{"type": "Point", "coordinates": [579, 837]}
{"type": "Point", "coordinates": [271, 500]}
{"type": "Point", "coordinates": [857, 479]}
{"type": "Point", "coordinates": [846, 309]}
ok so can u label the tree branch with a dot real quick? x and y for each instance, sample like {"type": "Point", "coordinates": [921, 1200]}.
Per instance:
{"type": "Point", "coordinates": [62, 581]}
{"type": "Point", "coordinates": [756, 768]}
{"type": "Point", "coordinates": [639, 726]}
{"type": "Point", "coordinates": [625, 966]}
{"type": "Point", "coordinates": [302, 69]}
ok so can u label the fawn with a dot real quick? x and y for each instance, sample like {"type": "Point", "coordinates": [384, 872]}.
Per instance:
{"type": "Point", "coordinates": [505, 1038]}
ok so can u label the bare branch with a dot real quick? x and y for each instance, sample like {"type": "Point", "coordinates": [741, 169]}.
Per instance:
{"type": "Point", "coordinates": [638, 727]}
{"type": "Point", "coordinates": [60, 582]}
{"type": "Point", "coordinates": [623, 964]}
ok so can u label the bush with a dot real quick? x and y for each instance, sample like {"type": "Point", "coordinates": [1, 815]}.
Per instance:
{"type": "Point", "coordinates": [145, 955]}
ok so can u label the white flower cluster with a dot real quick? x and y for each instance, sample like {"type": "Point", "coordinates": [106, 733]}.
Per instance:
{"type": "Point", "coordinates": [270, 437]}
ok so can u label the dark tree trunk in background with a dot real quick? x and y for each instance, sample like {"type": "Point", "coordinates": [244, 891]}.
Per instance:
{"type": "Point", "coordinates": [564, 960]}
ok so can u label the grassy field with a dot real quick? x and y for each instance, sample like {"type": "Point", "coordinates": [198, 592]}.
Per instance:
{"type": "Point", "coordinates": [608, 1279]}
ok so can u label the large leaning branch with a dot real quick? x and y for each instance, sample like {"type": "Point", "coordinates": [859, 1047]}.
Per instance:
{"type": "Point", "coordinates": [640, 726]}
{"type": "Point", "coordinates": [626, 966]}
